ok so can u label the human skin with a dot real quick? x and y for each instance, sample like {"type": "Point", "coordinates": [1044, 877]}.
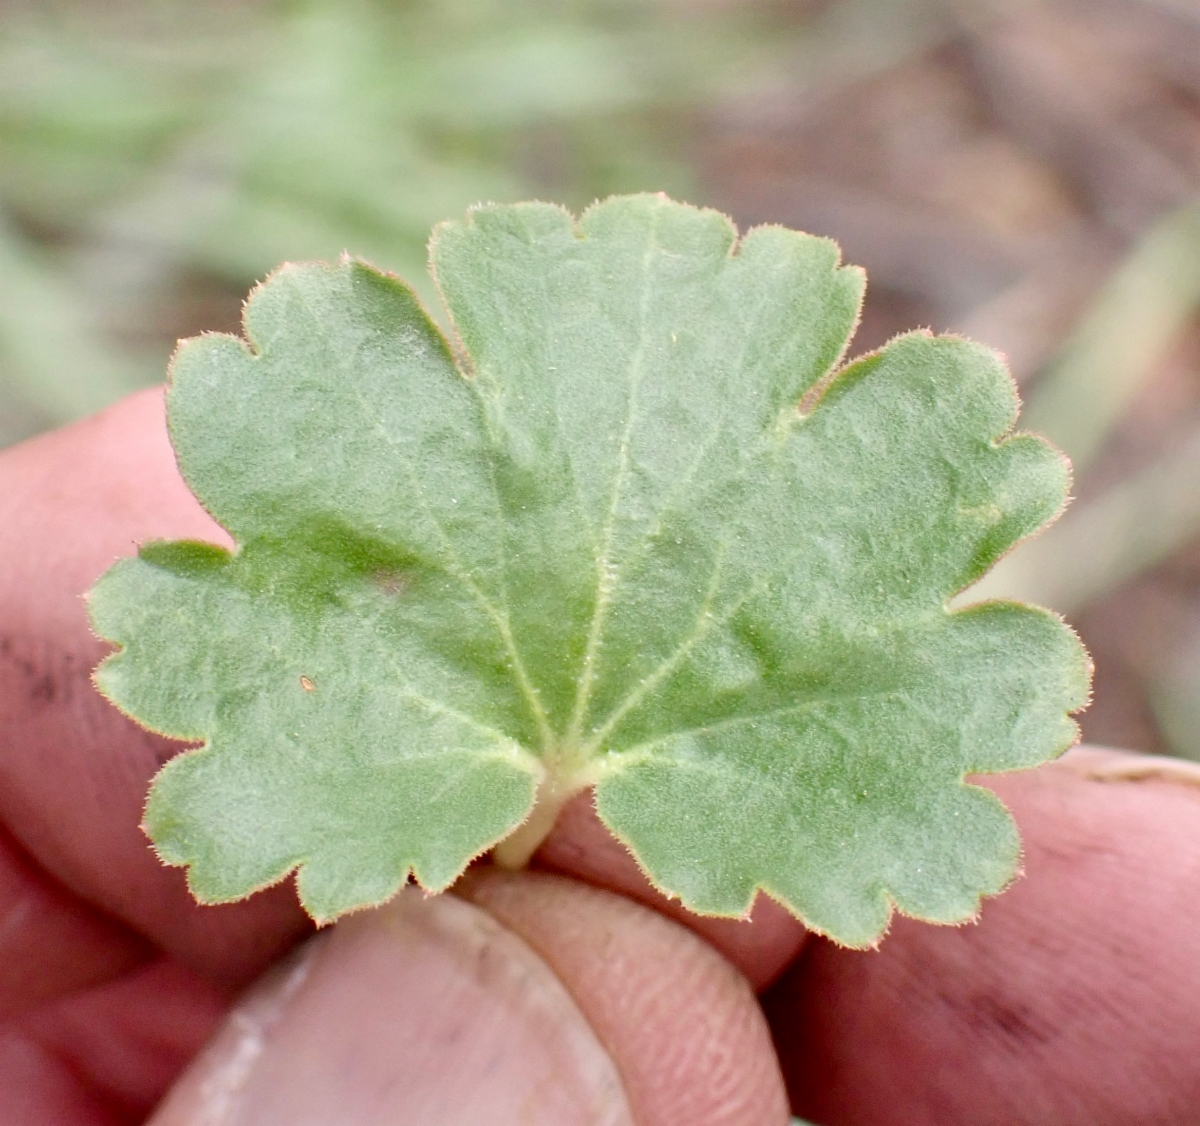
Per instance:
{"type": "Point", "coordinates": [572, 993]}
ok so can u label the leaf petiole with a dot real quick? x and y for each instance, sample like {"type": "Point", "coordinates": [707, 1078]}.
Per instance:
{"type": "Point", "coordinates": [558, 786]}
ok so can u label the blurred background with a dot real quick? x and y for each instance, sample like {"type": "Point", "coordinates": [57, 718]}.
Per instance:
{"type": "Point", "coordinates": [1026, 173]}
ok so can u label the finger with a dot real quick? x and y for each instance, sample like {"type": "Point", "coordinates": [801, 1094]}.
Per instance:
{"type": "Point", "coordinates": [1071, 1002]}
{"type": "Point", "coordinates": [73, 771]}
{"type": "Point", "coordinates": [761, 946]}
{"type": "Point", "coordinates": [540, 1001]}
{"type": "Point", "coordinates": [689, 1043]}
{"type": "Point", "coordinates": [50, 942]}
{"type": "Point", "coordinates": [105, 1056]}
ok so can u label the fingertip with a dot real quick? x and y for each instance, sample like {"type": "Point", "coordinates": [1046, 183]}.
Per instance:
{"type": "Point", "coordinates": [682, 1025]}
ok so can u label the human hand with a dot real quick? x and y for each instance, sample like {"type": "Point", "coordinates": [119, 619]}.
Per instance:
{"type": "Point", "coordinates": [571, 994]}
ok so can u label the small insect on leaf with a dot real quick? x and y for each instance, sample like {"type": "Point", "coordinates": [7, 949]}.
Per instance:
{"type": "Point", "coordinates": [639, 528]}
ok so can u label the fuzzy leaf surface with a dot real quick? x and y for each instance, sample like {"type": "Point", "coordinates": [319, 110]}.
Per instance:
{"type": "Point", "coordinates": [627, 533]}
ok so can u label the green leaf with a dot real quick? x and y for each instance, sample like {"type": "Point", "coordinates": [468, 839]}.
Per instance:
{"type": "Point", "coordinates": [635, 531]}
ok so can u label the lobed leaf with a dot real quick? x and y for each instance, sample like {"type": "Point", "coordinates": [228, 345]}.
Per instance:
{"type": "Point", "coordinates": [635, 529]}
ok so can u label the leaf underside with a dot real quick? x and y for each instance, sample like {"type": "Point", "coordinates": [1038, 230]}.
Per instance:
{"type": "Point", "coordinates": [630, 531]}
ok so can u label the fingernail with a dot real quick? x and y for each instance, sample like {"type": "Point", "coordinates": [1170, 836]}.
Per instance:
{"type": "Point", "coordinates": [426, 1012]}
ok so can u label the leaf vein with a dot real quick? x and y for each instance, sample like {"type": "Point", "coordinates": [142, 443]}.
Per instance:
{"type": "Point", "coordinates": [606, 572]}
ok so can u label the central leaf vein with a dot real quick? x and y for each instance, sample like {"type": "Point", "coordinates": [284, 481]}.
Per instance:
{"type": "Point", "coordinates": [606, 569]}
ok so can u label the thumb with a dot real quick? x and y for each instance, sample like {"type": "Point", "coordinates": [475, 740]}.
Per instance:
{"type": "Point", "coordinates": [529, 999]}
